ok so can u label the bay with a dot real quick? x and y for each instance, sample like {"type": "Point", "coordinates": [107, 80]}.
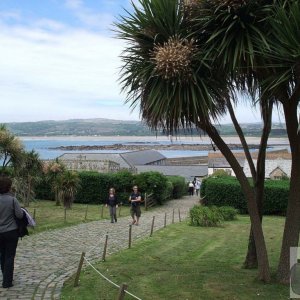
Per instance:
{"type": "Point", "coordinates": [42, 145]}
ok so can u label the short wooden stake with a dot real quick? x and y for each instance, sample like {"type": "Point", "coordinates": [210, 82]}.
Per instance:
{"type": "Point", "coordinates": [173, 216]}
{"type": "Point", "coordinates": [120, 206]}
{"type": "Point", "coordinates": [79, 269]}
{"type": "Point", "coordinates": [152, 226]}
{"type": "Point", "coordinates": [179, 215]}
{"type": "Point", "coordinates": [102, 208]}
{"type": "Point", "coordinates": [65, 215]}
{"type": "Point", "coordinates": [122, 289]}
{"type": "Point", "coordinates": [34, 211]}
{"type": "Point", "coordinates": [86, 210]}
{"type": "Point", "coordinates": [105, 248]}
{"type": "Point", "coordinates": [165, 221]}
{"type": "Point", "coordinates": [129, 240]}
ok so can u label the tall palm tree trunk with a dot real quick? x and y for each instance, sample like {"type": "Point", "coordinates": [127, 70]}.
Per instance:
{"type": "Point", "coordinates": [261, 250]}
{"type": "Point", "coordinates": [292, 223]}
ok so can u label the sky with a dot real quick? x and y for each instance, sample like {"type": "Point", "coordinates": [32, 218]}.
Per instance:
{"type": "Point", "coordinates": [60, 59]}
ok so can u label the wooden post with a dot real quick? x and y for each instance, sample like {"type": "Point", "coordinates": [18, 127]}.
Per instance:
{"type": "Point", "coordinates": [179, 215]}
{"type": "Point", "coordinates": [65, 215]}
{"type": "Point", "coordinates": [145, 199]}
{"type": "Point", "coordinates": [86, 210]}
{"type": "Point", "coordinates": [129, 241]}
{"type": "Point", "coordinates": [152, 226]}
{"type": "Point", "coordinates": [120, 206]}
{"type": "Point", "coordinates": [105, 248]}
{"type": "Point", "coordinates": [122, 289]}
{"type": "Point", "coordinates": [102, 208]}
{"type": "Point", "coordinates": [79, 269]}
{"type": "Point", "coordinates": [34, 214]}
{"type": "Point", "coordinates": [165, 221]}
{"type": "Point", "coordinates": [173, 217]}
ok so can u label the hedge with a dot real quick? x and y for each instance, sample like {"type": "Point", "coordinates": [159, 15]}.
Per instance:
{"type": "Point", "coordinates": [95, 186]}
{"type": "Point", "coordinates": [226, 191]}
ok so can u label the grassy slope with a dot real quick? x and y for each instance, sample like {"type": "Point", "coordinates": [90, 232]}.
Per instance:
{"type": "Point", "coordinates": [184, 262]}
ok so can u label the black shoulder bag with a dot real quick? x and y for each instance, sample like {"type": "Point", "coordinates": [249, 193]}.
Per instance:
{"type": "Point", "coordinates": [22, 223]}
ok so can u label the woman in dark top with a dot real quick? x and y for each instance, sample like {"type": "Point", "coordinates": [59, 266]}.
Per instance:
{"type": "Point", "coordinates": [9, 210]}
{"type": "Point", "coordinates": [135, 199]}
{"type": "Point", "coordinates": [112, 203]}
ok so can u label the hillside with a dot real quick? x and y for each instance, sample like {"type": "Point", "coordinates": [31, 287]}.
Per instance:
{"type": "Point", "coordinates": [108, 127]}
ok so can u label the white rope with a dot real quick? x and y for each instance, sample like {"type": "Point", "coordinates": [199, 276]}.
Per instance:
{"type": "Point", "coordinates": [107, 279]}
{"type": "Point", "coordinates": [101, 274]}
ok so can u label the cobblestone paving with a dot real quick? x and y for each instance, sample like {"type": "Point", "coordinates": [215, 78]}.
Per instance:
{"type": "Point", "coordinates": [45, 260]}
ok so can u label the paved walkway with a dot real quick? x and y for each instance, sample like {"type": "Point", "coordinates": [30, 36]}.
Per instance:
{"type": "Point", "coordinates": [45, 260]}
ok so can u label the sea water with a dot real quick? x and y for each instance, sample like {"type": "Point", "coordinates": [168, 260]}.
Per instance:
{"type": "Point", "coordinates": [44, 146]}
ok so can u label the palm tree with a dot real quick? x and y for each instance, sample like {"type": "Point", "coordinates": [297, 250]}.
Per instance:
{"type": "Point", "coordinates": [27, 174]}
{"type": "Point", "coordinates": [53, 170]}
{"type": "Point", "coordinates": [176, 77]}
{"type": "Point", "coordinates": [284, 51]}
{"type": "Point", "coordinates": [69, 182]}
{"type": "Point", "coordinates": [11, 148]}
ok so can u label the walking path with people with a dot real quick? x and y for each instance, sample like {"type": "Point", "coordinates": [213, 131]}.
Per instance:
{"type": "Point", "coordinates": [46, 260]}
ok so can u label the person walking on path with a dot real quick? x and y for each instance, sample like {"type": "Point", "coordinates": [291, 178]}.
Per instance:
{"type": "Point", "coordinates": [197, 186]}
{"type": "Point", "coordinates": [112, 202]}
{"type": "Point", "coordinates": [135, 199]}
{"type": "Point", "coordinates": [191, 188]}
{"type": "Point", "coordinates": [9, 210]}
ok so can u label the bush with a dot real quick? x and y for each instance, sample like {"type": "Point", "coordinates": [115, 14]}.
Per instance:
{"type": "Point", "coordinates": [226, 191]}
{"type": "Point", "coordinates": [94, 186]}
{"type": "Point", "coordinates": [229, 213]}
{"type": "Point", "coordinates": [154, 183]}
{"type": "Point", "coordinates": [205, 216]}
{"type": "Point", "coordinates": [179, 186]}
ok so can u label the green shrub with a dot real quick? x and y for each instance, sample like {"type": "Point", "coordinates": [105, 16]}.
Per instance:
{"type": "Point", "coordinates": [94, 186]}
{"type": "Point", "coordinates": [179, 186]}
{"type": "Point", "coordinates": [205, 216]}
{"type": "Point", "coordinates": [229, 213]}
{"type": "Point", "coordinates": [154, 183]}
{"type": "Point", "coordinates": [226, 191]}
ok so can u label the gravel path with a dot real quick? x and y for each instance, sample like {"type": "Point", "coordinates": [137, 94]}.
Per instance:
{"type": "Point", "coordinates": [45, 260]}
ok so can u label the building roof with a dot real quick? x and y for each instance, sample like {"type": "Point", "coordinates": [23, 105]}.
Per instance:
{"type": "Point", "coordinates": [188, 172]}
{"type": "Point", "coordinates": [142, 157]}
{"type": "Point", "coordinates": [217, 160]}
{"type": "Point", "coordinates": [126, 159]}
{"type": "Point", "coordinates": [271, 165]}
{"type": "Point", "coordinates": [115, 157]}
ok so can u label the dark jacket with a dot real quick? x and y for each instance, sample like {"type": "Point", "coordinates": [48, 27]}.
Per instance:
{"type": "Point", "coordinates": [112, 201]}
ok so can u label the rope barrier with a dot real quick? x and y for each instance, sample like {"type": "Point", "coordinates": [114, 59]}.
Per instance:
{"type": "Point", "coordinates": [107, 279]}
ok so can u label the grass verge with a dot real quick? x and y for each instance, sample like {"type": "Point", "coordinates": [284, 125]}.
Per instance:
{"type": "Point", "coordinates": [49, 216]}
{"type": "Point", "coordinates": [185, 262]}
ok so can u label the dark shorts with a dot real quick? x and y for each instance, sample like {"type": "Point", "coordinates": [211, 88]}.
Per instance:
{"type": "Point", "coordinates": [135, 210]}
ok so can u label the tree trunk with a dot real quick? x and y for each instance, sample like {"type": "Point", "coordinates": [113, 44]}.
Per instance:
{"type": "Point", "coordinates": [292, 222]}
{"type": "Point", "coordinates": [259, 179]}
{"type": "Point", "coordinates": [262, 255]}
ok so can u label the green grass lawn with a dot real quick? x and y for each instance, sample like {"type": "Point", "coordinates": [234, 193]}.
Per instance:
{"type": "Point", "coordinates": [49, 216]}
{"type": "Point", "coordinates": [185, 262]}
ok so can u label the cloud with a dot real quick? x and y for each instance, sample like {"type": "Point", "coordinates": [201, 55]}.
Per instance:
{"type": "Point", "coordinates": [88, 17]}
{"type": "Point", "coordinates": [51, 71]}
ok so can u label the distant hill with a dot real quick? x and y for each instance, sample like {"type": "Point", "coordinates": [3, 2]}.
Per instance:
{"type": "Point", "coordinates": [108, 127]}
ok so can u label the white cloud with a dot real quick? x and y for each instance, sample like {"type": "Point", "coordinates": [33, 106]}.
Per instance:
{"type": "Point", "coordinates": [88, 17]}
{"type": "Point", "coordinates": [68, 73]}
